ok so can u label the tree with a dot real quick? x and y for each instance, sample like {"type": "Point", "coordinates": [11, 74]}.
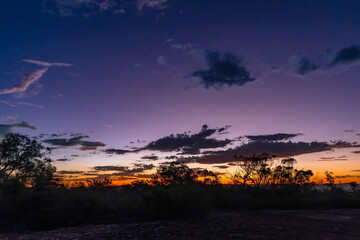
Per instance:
{"type": "Point", "coordinates": [174, 173]}
{"type": "Point", "coordinates": [25, 160]}
{"type": "Point", "coordinates": [256, 169]}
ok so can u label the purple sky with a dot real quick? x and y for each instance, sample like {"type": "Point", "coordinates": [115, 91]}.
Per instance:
{"type": "Point", "coordinates": [116, 71]}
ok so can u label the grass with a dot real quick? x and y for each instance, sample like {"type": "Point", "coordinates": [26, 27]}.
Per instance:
{"type": "Point", "coordinates": [28, 209]}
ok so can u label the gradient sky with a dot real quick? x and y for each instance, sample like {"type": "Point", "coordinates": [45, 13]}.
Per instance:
{"type": "Point", "coordinates": [92, 76]}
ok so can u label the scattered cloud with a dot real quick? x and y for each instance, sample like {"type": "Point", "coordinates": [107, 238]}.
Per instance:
{"type": "Point", "coordinates": [47, 64]}
{"type": "Point", "coordinates": [186, 143]}
{"type": "Point", "coordinates": [272, 137]}
{"type": "Point", "coordinates": [27, 80]}
{"type": "Point", "coordinates": [8, 128]}
{"type": "Point", "coordinates": [75, 141]}
{"type": "Point", "coordinates": [280, 149]}
{"type": "Point", "coordinates": [349, 130]}
{"type": "Point", "coordinates": [224, 69]}
{"type": "Point", "coordinates": [124, 171]}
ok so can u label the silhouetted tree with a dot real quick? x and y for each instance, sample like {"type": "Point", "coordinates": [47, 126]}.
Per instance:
{"type": "Point", "coordinates": [255, 169]}
{"type": "Point", "coordinates": [208, 177]}
{"type": "Point", "coordinates": [25, 160]}
{"type": "Point", "coordinates": [330, 178]}
{"type": "Point", "coordinates": [174, 173]}
{"type": "Point", "coordinates": [99, 182]}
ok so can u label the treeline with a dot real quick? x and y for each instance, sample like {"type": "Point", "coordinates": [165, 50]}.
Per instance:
{"type": "Point", "coordinates": [33, 198]}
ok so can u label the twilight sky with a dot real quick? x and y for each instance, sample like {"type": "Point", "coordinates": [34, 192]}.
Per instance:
{"type": "Point", "coordinates": [106, 82]}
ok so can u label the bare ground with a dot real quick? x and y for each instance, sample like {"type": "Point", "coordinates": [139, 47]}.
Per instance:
{"type": "Point", "coordinates": [255, 224]}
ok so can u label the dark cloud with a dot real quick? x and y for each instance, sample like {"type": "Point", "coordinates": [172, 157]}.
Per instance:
{"type": "Point", "coordinates": [224, 69]}
{"type": "Point", "coordinates": [221, 166]}
{"type": "Point", "coordinates": [8, 128]}
{"type": "Point", "coordinates": [348, 130]}
{"type": "Point", "coordinates": [63, 160]}
{"type": "Point", "coordinates": [69, 172]}
{"type": "Point", "coordinates": [171, 157]}
{"type": "Point", "coordinates": [280, 149]}
{"type": "Point", "coordinates": [125, 170]}
{"type": "Point", "coordinates": [110, 168]}
{"type": "Point", "coordinates": [189, 144]}
{"type": "Point", "coordinates": [346, 56]}
{"type": "Point", "coordinates": [75, 141]}
{"type": "Point", "coordinates": [116, 151]}
{"type": "Point", "coordinates": [355, 170]}
{"type": "Point", "coordinates": [356, 152]}
{"type": "Point", "coordinates": [272, 137]}
{"type": "Point", "coordinates": [347, 176]}
{"type": "Point", "coordinates": [150, 157]}
{"type": "Point", "coordinates": [306, 66]}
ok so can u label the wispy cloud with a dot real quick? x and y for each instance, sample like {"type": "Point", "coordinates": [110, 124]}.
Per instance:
{"type": "Point", "coordinates": [86, 8]}
{"type": "Point", "coordinates": [27, 80]}
{"type": "Point", "coordinates": [8, 128]}
{"type": "Point", "coordinates": [15, 104]}
{"type": "Point", "coordinates": [158, 4]}
{"type": "Point", "coordinates": [47, 64]}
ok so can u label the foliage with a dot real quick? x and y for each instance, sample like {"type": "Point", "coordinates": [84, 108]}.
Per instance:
{"type": "Point", "coordinates": [330, 178]}
{"type": "Point", "coordinates": [259, 170]}
{"type": "Point", "coordinates": [174, 173]}
{"type": "Point", "coordinates": [25, 160]}
{"type": "Point", "coordinates": [98, 183]}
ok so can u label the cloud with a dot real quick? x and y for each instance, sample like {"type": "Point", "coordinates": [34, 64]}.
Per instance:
{"type": "Point", "coordinates": [328, 60]}
{"type": "Point", "coordinates": [188, 144]}
{"type": "Point", "coordinates": [75, 141]}
{"type": "Point", "coordinates": [272, 137]}
{"type": "Point", "coordinates": [347, 176]}
{"type": "Point", "coordinates": [125, 170]}
{"type": "Point", "coordinates": [15, 104]}
{"type": "Point", "coordinates": [356, 152]}
{"type": "Point", "coordinates": [161, 60]}
{"type": "Point", "coordinates": [355, 170]}
{"type": "Point", "coordinates": [86, 8]}
{"type": "Point", "coordinates": [63, 160]}
{"type": "Point", "coordinates": [224, 69]}
{"type": "Point", "coordinates": [158, 4]}
{"type": "Point", "coordinates": [306, 66]}
{"type": "Point", "coordinates": [69, 172]}
{"type": "Point", "coordinates": [345, 56]}
{"type": "Point", "coordinates": [47, 64]}
{"type": "Point", "coordinates": [8, 128]}
{"type": "Point", "coordinates": [27, 80]}
{"type": "Point", "coordinates": [280, 149]}
{"type": "Point", "coordinates": [117, 151]}
{"type": "Point", "coordinates": [348, 130]}
{"type": "Point", "coordinates": [150, 157]}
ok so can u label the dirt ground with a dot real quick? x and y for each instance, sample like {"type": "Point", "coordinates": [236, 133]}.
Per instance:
{"type": "Point", "coordinates": [255, 224]}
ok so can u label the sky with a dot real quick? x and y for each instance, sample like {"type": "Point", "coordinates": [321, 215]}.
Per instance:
{"type": "Point", "coordinates": [116, 87]}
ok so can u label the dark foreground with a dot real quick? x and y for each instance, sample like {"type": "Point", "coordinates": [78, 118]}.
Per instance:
{"type": "Point", "coordinates": [250, 224]}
